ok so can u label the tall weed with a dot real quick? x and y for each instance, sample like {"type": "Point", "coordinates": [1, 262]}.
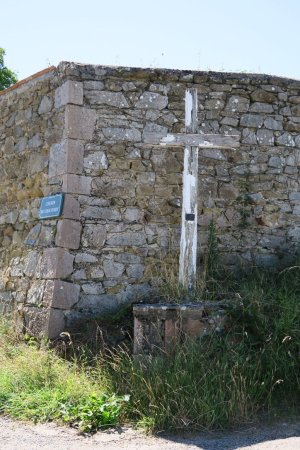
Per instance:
{"type": "Point", "coordinates": [217, 381]}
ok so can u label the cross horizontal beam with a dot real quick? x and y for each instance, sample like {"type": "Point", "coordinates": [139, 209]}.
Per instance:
{"type": "Point", "coordinates": [201, 140]}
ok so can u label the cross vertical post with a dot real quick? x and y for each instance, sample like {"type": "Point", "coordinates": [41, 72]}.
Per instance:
{"type": "Point", "coordinates": [188, 240]}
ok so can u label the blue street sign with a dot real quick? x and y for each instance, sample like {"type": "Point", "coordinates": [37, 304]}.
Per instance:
{"type": "Point", "coordinates": [51, 206]}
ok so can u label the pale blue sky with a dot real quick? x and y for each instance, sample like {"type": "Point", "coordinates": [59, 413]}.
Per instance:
{"type": "Point", "coordinates": [232, 35]}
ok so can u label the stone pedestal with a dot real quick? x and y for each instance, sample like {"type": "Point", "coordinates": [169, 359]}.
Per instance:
{"type": "Point", "coordinates": [163, 326]}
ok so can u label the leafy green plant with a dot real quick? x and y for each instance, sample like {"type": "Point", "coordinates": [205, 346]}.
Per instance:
{"type": "Point", "coordinates": [93, 412]}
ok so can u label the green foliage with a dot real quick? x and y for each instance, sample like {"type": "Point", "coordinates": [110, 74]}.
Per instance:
{"type": "Point", "coordinates": [93, 412]}
{"type": "Point", "coordinates": [222, 381]}
{"type": "Point", "coordinates": [7, 76]}
{"type": "Point", "coordinates": [216, 382]}
{"type": "Point", "coordinates": [35, 384]}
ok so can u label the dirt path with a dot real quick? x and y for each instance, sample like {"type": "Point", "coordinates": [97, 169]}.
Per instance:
{"type": "Point", "coordinates": [20, 436]}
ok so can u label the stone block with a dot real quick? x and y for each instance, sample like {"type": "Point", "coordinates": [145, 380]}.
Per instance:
{"type": "Point", "coordinates": [44, 322]}
{"type": "Point", "coordinates": [194, 327]}
{"type": "Point", "coordinates": [133, 215]}
{"type": "Point", "coordinates": [261, 107]}
{"type": "Point", "coordinates": [135, 271]}
{"type": "Point", "coordinates": [36, 293]}
{"type": "Point", "coordinates": [286, 139]}
{"type": "Point", "coordinates": [294, 196]}
{"type": "Point", "coordinates": [93, 85]}
{"type": "Point", "coordinates": [85, 258]}
{"type": "Point", "coordinates": [214, 104]}
{"type": "Point", "coordinates": [95, 162]}
{"type": "Point", "coordinates": [127, 239]}
{"type": "Point", "coordinates": [228, 191]}
{"type": "Point", "coordinates": [249, 137]}
{"type": "Point", "coordinates": [56, 323]}
{"type": "Point", "coordinates": [79, 122]}
{"type": "Point", "coordinates": [93, 288]}
{"type": "Point", "coordinates": [153, 133]}
{"type": "Point", "coordinates": [66, 157]}
{"type": "Point", "coordinates": [160, 327]}
{"type": "Point", "coordinates": [113, 269]}
{"type": "Point", "coordinates": [16, 267]}
{"type": "Point", "coordinates": [151, 100]}
{"type": "Point", "coordinates": [273, 124]}
{"type": "Point", "coordinates": [115, 99]}
{"type": "Point", "coordinates": [237, 103]}
{"type": "Point", "coordinates": [128, 258]}
{"type": "Point", "coordinates": [98, 304]}
{"type": "Point", "coordinates": [60, 294]}
{"type": "Point", "coordinates": [30, 263]}
{"type": "Point", "coordinates": [230, 121]}
{"type": "Point", "coordinates": [71, 208]}
{"type": "Point", "coordinates": [35, 141]}
{"type": "Point", "coordinates": [97, 274]}
{"type": "Point", "coordinates": [76, 184]}
{"type": "Point", "coordinates": [46, 237]}
{"type": "Point", "coordinates": [45, 105]}
{"type": "Point", "coordinates": [122, 134]}
{"type": "Point", "coordinates": [276, 161]}
{"type": "Point", "coordinates": [251, 120]}
{"type": "Point", "coordinates": [96, 212]}
{"type": "Point", "coordinates": [69, 92]}
{"type": "Point", "coordinates": [212, 154]}
{"type": "Point", "coordinates": [265, 137]}
{"type": "Point", "coordinates": [294, 127]}
{"type": "Point", "coordinates": [262, 96]}
{"type": "Point", "coordinates": [295, 110]}
{"type": "Point", "coordinates": [6, 303]}
{"type": "Point", "coordinates": [55, 263]}
{"type": "Point", "coordinates": [94, 236]}
{"type": "Point", "coordinates": [35, 321]}
{"type": "Point", "coordinates": [68, 234]}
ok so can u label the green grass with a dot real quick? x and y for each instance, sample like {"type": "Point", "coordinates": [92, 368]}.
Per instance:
{"type": "Point", "coordinates": [216, 382]}
{"type": "Point", "coordinates": [35, 384]}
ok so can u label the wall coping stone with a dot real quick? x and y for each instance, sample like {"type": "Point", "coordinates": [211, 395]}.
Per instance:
{"type": "Point", "coordinates": [27, 81]}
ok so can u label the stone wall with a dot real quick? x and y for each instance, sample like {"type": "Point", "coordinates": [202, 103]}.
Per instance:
{"type": "Point", "coordinates": [89, 135]}
{"type": "Point", "coordinates": [29, 124]}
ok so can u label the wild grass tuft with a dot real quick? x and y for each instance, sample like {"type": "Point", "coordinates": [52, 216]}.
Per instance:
{"type": "Point", "coordinates": [223, 381]}
{"type": "Point", "coordinates": [215, 382]}
{"type": "Point", "coordinates": [37, 385]}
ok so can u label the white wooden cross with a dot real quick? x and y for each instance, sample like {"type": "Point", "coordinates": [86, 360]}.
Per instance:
{"type": "Point", "coordinates": [192, 142]}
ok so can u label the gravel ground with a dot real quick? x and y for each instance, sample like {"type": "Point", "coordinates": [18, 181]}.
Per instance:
{"type": "Point", "coordinates": [20, 436]}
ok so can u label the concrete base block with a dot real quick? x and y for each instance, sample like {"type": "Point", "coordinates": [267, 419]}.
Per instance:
{"type": "Point", "coordinates": [162, 327]}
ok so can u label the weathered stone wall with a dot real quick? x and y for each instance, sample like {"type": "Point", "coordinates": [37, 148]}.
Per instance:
{"type": "Point", "coordinates": [32, 266]}
{"type": "Point", "coordinates": [122, 215]}
{"type": "Point", "coordinates": [29, 125]}
{"type": "Point", "coordinates": [131, 213]}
